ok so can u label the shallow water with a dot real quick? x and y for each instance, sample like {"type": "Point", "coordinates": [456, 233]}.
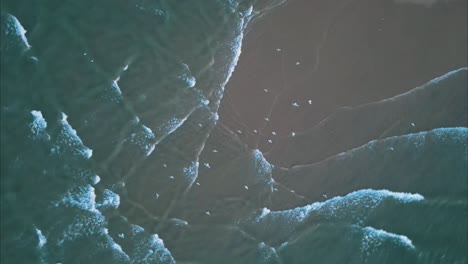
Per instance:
{"type": "Point", "coordinates": [121, 141]}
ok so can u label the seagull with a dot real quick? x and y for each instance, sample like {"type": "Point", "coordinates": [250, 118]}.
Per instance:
{"type": "Point", "coordinates": [267, 119]}
{"type": "Point", "coordinates": [214, 150]}
{"type": "Point", "coordinates": [310, 102]}
{"type": "Point", "coordinates": [246, 187]}
{"type": "Point", "coordinates": [412, 124]}
{"type": "Point", "coordinates": [255, 131]}
{"type": "Point", "coordinates": [293, 134]}
{"type": "Point", "coordinates": [171, 177]}
{"type": "Point", "coordinates": [297, 63]}
{"type": "Point", "coordinates": [295, 104]}
{"type": "Point", "coordinates": [266, 90]}
{"type": "Point", "coordinates": [278, 49]}
{"type": "Point", "coordinates": [207, 165]}
{"type": "Point", "coordinates": [197, 183]}
{"type": "Point", "coordinates": [157, 195]}
{"type": "Point", "coordinates": [207, 212]}
{"type": "Point", "coordinates": [270, 141]}
{"type": "Point", "coordinates": [164, 165]}
{"type": "Point", "coordinates": [273, 133]}
{"type": "Point", "coordinates": [238, 131]}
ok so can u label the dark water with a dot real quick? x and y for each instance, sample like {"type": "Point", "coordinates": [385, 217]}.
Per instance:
{"type": "Point", "coordinates": [112, 149]}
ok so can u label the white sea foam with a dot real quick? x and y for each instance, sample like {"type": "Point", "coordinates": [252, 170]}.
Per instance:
{"type": "Point", "coordinates": [96, 179]}
{"type": "Point", "coordinates": [85, 224]}
{"type": "Point", "coordinates": [170, 126]}
{"type": "Point", "coordinates": [267, 254]}
{"type": "Point", "coordinates": [14, 27]}
{"type": "Point", "coordinates": [191, 172]}
{"type": "Point", "coordinates": [82, 197]}
{"type": "Point", "coordinates": [264, 167]}
{"type": "Point", "coordinates": [374, 236]}
{"type": "Point", "coordinates": [149, 248]}
{"type": "Point", "coordinates": [41, 237]}
{"type": "Point", "coordinates": [38, 126]}
{"type": "Point", "coordinates": [110, 200]}
{"type": "Point", "coordinates": [144, 138]}
{"type": "Point", "coordinates": [68, 140]}
{"type": "Point", "coordinates": [353, 207]}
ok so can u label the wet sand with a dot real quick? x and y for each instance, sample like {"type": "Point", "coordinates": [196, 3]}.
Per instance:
{"type": "Point", "coordinates": [336, 54]}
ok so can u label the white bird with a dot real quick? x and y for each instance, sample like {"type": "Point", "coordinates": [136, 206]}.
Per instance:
{"type": "Point", "coordinates": [413, 124]}
{"type": "Point", "coordinates": [171, 177]}
{"type": "Point", "coordinates": [238, 131]}
{"type": "Point", "coordinates": [165, 165]}
{"type": "Point", "coordinates": [214, 150]}
{"type": "Point", "coordinates": [207, 212]}
{"type": "Point", "coordinates": [295, 104]}
{"type": "Point", "coordinates": [278, 49]}
{"type": "Point", "coordinates": [297, 63]}
{"type": "Point", "coordinates": [246, 187]}
{"type": "Point", "coordinates": [293, 134]}
{"type": "Point", "coordinates": [255, 131]}
{"type": "Point", "coordinates": [310, 102]}
{"type": "Point", "coordinates": [266, 90]}
{"type": "Point", "coordinates": [157, 195]}
{"type": "Point", "coordinates": [273, 133]}
{"type": "Point", "coordinates": [270, 141]}
{"type": "Point", "coordinates": [197, 183]}
{"type": "Point", "coordinates": [207, 165]}
{"type": "Point", "coordinates": [267, 119]}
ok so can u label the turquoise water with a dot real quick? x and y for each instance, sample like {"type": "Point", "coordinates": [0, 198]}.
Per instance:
{"type": "Point", "coordinates": [112, 150]}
